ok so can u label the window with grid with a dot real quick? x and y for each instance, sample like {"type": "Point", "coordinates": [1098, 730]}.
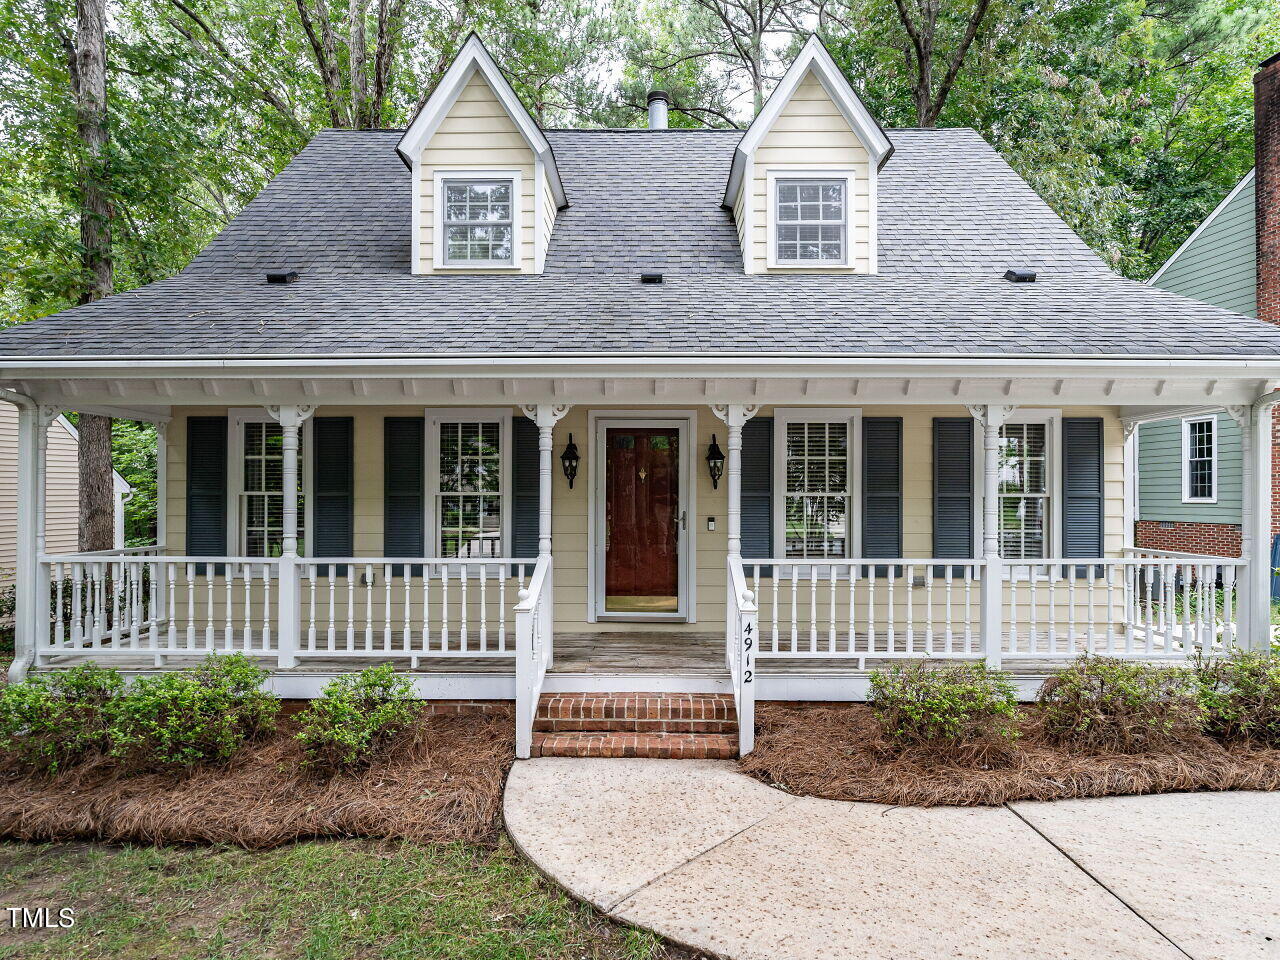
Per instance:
{"type": "Point", "coordinates": [1201, 482]}
{"type": "Point", "coordinates": [469, 500]}
{"type": "Point", "coordinates": [262, 492]}
{"type": "Point", "coordinates": [1024, 491]}
{"type": "Point", "coordinates": [816, 503]}
{"type": "Point", "coordinates": [811, 221]}
{"type": "Point", "coordinates": [478, 221]}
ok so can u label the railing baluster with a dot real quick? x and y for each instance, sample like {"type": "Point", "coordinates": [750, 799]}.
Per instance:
{"type": "Point", "coordinates": [313, 570]}
{"type": "Point", "coordinates": [1188, 637]}
{"type": "Point", "coordinates": [777, 575]}
{"type": "Point", "coordinates": [368, 607]}
{"type": "Point", "coordinates": [484, 611]}
{"type": "Point", "coordinates": [406, 574]}
{"type": "Point", "coordinates": [853, 622]}
{"type": "Point", "coordinates": [871, 610]}
{"type": "Point", "coordinates": [444, 605]}
{"type": "Point", "coordinates": [247, 573]}
{"type": "Point", "coordinates": [170, 623]}
{"type": "Point", "coordinates": [78, 616]}
{"type": "Point", "coordinates": [813, 608]}
{"type": "Point", "coordinates": [352, 577]}
{"type": "Point", "coordinates": [831, 611]}
{"type": "Point", "coordinates": [115, 604]}
{"type": "Point", "coordinates": [1229, 635]}
{"type": "Point", "coordinates": [426, 605]}
{"type": "Point", "coordinates": [462, 600]}
{"type": "Point", "coordinates": [267, 608]}
{"type": "Point", "coordinates": [795, 612]}
{"type": "Point", "coordinates": [386, 602]}
{"type": "Point", "coordinates": [928, 609]}
{"type": "Point", "coordinates": [909, 589]}
{"type": "Point", "coordinates": [891, 621]}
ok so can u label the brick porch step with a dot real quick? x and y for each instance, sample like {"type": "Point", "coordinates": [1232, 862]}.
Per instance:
{"type": "Point", "coordinates": [637, 713]}
{"type": "Point", "coordinates": [661, 746]}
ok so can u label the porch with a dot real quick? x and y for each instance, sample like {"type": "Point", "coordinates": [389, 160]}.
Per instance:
{"type": "Point", "coordinates": [740, 606]}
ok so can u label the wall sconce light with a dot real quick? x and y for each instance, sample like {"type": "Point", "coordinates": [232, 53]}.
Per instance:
{"type": "Point", "coordinates": [569, 461]}
{"type": "Point", "coordinates": [715, 462]}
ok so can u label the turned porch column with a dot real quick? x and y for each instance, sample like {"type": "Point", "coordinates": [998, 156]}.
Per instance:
{"type": "Point", "coordinates": [291, 419]}
{"type": "Point", "coordinates": [546, 416]}
{"type": "Point", "coordinates": [734, 416]}
{"type": "Point", "coordinates": [991, 418]}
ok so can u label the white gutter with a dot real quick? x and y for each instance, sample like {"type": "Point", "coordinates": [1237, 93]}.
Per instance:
{"type": "Point", "coordinates": [24, 656]}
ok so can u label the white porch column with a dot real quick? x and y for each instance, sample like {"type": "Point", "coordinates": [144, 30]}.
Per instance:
{"type": "Point", "coordinates": [162, 485]}
{"type": "Point", "coordinates": [30, 595]}
{"type": "Point", "coordinates": [1130, 467]}
{"type": "Point", "coordinates": [1255, 524]}
{"type": "Point", "coordinates": [291, 419]}
{"type": "Point", "coordinates": [991, 418]}
{"type": "Point", "coordinates": [734, 416]}
{"type": "Point", "coordinates": [546, 416]}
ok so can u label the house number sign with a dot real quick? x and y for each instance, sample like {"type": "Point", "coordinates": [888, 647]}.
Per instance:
{"type": "Point", "coordinates": [748, 641]}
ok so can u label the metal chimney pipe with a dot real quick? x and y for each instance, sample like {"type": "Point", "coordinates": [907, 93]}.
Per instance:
{"type": "Point", "coordinates": [658, 103]}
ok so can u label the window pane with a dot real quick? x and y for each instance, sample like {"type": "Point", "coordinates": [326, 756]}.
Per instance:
{"type": "Point", "coordinates": [1024, 499]}
{"type": "Point", "coordinates": [810, 220]}
{"type": "Point", "coordinates": [469, 498]}
{"type": "Point", "coordinates": [816, 503]}
{"type": "Point", "coordinates": [479, 221]}
{"type": "Point", "coordinates": [262, 499]}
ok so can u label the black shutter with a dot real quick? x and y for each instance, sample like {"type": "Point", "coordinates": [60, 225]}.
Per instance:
{"type": "Point", "coordinates": [333, 488]}
{"type": "Point", "coordinates": [882, 488]}
{"type": "Point", "coordinates": [953, 487]}
{"type": "Point", "coordinates": [757, 491]}
{"type": "Point", "coordinates": [1082, 487]}
{"type": "Point", "coordinates": [524, 488]}
{"type": "Point", "coordinates": [206, 487]}
{"type": "Point", "coordinates": [404, 487]}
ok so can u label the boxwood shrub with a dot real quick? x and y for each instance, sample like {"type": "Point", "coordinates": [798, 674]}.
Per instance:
{"type": "Point", "coordinates": [962, 712]}
{"type": "Point", "coordinates": [193, 716]}
{"type": "Point", "coordinates": [1104, 704]}
{"type": "Point", "coordinates": [1241, 696]}
{"type": "Point", "coordinates": [55, 719]}
{"type": "Point", "coordinates": [356, 716]}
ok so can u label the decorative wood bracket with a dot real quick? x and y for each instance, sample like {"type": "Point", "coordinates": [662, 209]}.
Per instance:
{"type": "Point", "coordinates": [1241, 414]}
{"type": "Point", "coordinates": [991, 415]}
{"type": "Point", "coordinates": [735, 414]}
{"type": "Point", "coordinates": [292, 416]}
{"type": "Point", "coordinates": [545, 414]}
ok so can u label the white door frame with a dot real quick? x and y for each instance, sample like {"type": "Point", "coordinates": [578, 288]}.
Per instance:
{"type": "Point", "coordinates": [686, 422]}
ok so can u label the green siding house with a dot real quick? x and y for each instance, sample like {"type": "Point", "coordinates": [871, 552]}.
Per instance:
{"type": "Point", "coordinates": [1189, 472]}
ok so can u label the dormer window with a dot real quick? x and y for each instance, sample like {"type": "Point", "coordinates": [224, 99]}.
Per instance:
{"type": "Point", "coordinates": [477, 218]}
{"type": "Point", "coordinates": [809, 218]}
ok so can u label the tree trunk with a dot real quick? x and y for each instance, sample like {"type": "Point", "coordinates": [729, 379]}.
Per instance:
{"type": "Point", "coordinates": [89, 86]}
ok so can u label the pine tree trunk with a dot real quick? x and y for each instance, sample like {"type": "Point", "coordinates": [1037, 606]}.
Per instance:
{"type": "Point", "coordinates": [89, 85]}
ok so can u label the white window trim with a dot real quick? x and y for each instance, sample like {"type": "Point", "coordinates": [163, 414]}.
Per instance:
{"type": "Point", "coordinates": [1053, 471]}
{"type": "Point", "coordinates": [441, 175]}
{"type": "Point", "coordinates": [782, 417]}
{"type": "Point", "coordinates": [434, 417]}
{"type": "Point", "coordinates": [1186, 459]}
{"type": "Point", "coordinates": [237, 417]}
{"type": "Point", "coordinates": [849, 175]}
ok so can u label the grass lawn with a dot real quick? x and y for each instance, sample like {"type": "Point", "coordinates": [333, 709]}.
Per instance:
{"type": "Point", "coordinates": [311, 900]}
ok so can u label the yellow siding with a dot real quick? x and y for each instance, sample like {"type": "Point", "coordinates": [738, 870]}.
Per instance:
{"type": "Point", "coordinates": [549, 212]}
{"type": "Point", "coordinates": [476, 134]}
{"type": "Point", "coordinates": [810, 133]}
{"type": "Point", "coordinates": [570, 516]}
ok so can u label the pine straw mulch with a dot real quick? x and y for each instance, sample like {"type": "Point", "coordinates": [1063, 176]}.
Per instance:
{"type": "Point", "coordinates": [837, 752]}
{"type": "Point", "coordinates": [442, 782]}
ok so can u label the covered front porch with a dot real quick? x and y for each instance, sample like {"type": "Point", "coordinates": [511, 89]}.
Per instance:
{"type": "Point", "coordinates": [718, 582]}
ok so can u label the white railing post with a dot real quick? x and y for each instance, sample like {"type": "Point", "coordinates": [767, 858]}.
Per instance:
{"type": "Point", "coordinates": [748, 641]}
{"type": "Point", "coordinates": [533, 630]}
{"type": "Point", "coordinates": [990, 602]}
{"type": "Point", "coordinates": [289, 596]}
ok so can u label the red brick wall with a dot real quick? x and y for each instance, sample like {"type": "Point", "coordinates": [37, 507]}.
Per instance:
{"type": "Point", "coordinates": [1215, 539]}
{"type": "Point", "coordinates": [1266, 145]}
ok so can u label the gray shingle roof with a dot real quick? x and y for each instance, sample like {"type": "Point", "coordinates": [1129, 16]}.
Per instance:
{"type": "Point", "coordinates": [952, 217]}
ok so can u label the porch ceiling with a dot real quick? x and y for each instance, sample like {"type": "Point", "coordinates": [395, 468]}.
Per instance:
{"type": "Point", "coordinates": [1137, 395]}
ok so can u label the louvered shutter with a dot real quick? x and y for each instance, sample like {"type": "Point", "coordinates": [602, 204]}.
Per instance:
{"type": "Point", "coordinates": [206, 487]}
{"type": "Point", "coordinates": [333, 488]}
{"type": "Point", "coordinates": [882, 488]}
{"type": "Point", "coordinates": [1082, 487]}
{"type": "Point", "coordinates": [953, 487]}
{"type": "Point", "coordinates": [757, 491]}
{"type": "Point", "coordinates": [524, 488]}
{"type": "Point", "coordinates": [404, 487]}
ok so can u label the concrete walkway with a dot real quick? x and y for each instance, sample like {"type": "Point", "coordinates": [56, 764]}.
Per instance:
{"type": "Point", "coordinates": [715, 860]}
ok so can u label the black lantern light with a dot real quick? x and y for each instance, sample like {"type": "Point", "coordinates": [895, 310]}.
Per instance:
{"type": "Point", "coordinates": [715, 462]}
{"type": "Point", "coordinates": [569, 461]}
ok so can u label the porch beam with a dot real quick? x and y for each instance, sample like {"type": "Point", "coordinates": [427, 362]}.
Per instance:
{"type": "Point", "coordinates": [991, 418]}
{"type": "Point", "coordinates": [734, 416]}
{"type": "Point", "coordinates": [546, 416]}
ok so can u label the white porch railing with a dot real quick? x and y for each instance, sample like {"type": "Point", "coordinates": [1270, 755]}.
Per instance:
{"type": "Point", "coordinates": [535, 618]}
{"type": "Point", "coordinates": [742, 641]}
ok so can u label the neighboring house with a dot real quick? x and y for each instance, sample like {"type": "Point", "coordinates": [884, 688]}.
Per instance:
{"type": "Point", "coordinates": [62, 492]}
{"type": "Point", "coordinates": [1189, 468]}
{"type": "Point", "coordinates": [705, 411]}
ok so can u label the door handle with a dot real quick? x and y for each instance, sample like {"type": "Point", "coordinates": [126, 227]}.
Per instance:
{"type": "Point", "coordinates": [683, 525]}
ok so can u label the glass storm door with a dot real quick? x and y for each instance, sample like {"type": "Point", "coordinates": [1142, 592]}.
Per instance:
{"type": "Point", "coordinates": [642, 520]}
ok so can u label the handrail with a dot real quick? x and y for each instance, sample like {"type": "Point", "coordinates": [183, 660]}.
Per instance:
{"type": "Point", "coordinates": [534, 625]}
{"type": "Point", "coordinates": [1181, 554]}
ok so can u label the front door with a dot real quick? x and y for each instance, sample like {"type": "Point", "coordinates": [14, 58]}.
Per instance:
{"type": "Point", "coordinates": [642, 521]}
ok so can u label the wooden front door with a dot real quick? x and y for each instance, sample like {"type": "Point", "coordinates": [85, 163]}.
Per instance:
{"type": "Point", "coordinates": [642, 520]}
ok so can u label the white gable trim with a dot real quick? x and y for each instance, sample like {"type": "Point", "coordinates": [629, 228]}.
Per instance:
{"type": "Point", "coordinates": [1186, 244]}
{"type": "Point", "coordinates": [473, 58]}
{"type": "Point", "coordinates": [814, 57]}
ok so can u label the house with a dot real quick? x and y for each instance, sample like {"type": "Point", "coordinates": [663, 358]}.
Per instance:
{"type": "Point", "coordinates": [688, 412]}
{"type": "Point", "coordinates": [62, 492]}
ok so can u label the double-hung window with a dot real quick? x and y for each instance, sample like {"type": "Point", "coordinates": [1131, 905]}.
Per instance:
{"type": "Point", "coordinates": [1200, 460]}
{"type": "Point", "coordinates": [1025, 503]}
{"type": "Point", "coordinates": [468, 460]}
{"type": "Point", "coordinates": [258, 466]}
{"type": "Point", "coordinates": [814, 506]}
{"type": "Point", "coordinates": [811, 221]}
{"type": "Point", "coordinates": [478, 220]}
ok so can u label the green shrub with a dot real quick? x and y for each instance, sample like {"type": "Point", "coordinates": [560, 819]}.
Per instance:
{"type": "Point", "coordinates": [1118, 706]}
{"type": "Point", "coordinates": [191, 716]}
{"type": "Point", "coordinates": [1241, 696]}
{"type": "Point", "coordinates": [356, 716]}
{"type": "Point", "coordinates": [55, 719]}
{"type": "Point", "coordinates": [963, 712]}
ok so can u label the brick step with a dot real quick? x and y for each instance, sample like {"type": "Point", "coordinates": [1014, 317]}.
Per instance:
{"type": "Point", "coordinates": [660, 746]}
{"type": "Point", "coordinates": [637, 713]}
